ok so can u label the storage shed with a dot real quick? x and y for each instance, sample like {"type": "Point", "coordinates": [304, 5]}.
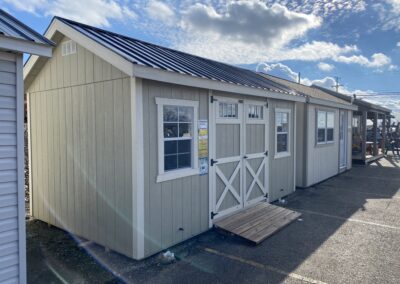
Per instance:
{"type": "Point", "coordinates": [15, 39]}
{"type": "Point", "coordinates": [139, 147]}
{"type": "Point", "coordinates": [368, 140]}
{"type": "Point", "coordinates": [323, 134]}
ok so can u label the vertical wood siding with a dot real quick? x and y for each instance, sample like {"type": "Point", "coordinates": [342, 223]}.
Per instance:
{"type": "Point", "coordinates": [322, 160]}
{"type": "Point", "coordinates": [180, 203]}
{"type": "Point", "coordinates": [281, 170]}
{"type": "Point", "coordinates": [81, 146]}
{"type": "Point", "coordinates": [301, 140]}
{"type": "Point", "coordinates": [9, 258]}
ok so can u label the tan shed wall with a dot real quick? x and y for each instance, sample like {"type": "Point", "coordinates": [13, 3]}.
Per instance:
{"type": "Point", "coordinates": [81, 147]}
{"type": "Point", "coordinates": [180, 203]}
{"type": "Point", "coordinates": [301, 147]}
{"type": "Point", "coordinates": [281, 170]}
{"type": "Point", "coordinates": [322, 160]}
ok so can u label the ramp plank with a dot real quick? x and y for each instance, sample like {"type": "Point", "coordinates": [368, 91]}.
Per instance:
{"type": "Point", "coordinates": [257, 223]}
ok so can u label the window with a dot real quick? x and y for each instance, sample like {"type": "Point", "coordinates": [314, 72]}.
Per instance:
{"type": "Point", "coordinates": [325, 126]}
{"type": "Point", "coordinates": [228, 110]}
{"type": "Point", "coordinates": [282, 128]}
{"type": "Point", "coordinates": [68, 47]}
{"type": "Point", "coordinates": [255, 112]}
{"type": "Point", "coordinates": [177, 141]}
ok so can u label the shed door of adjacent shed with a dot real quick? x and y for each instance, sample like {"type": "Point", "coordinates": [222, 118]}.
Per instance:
{"type": "Point", "coordinates": [239, 163]}
{"type": "Point", "coordinates": [342, 140]}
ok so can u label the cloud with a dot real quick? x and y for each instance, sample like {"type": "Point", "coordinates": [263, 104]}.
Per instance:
{"type": "Point", "coordinates": [389, 14]}
{"type": "Point", "coordinates": [377, 60]}
{"type": "Point", "coordinates": [249, 21]}
{"type": "Point", "coordinates": [160, 11]}
{"type": "Point", "coordinates": [325, 66]}
{"type": "Point", "coordinates": [93, 12]}
{"type": "Point", "coordinates": [398, 44]}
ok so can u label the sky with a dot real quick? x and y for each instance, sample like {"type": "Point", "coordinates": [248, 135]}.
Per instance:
{"type": "Point", "coordinates": [355, 40]}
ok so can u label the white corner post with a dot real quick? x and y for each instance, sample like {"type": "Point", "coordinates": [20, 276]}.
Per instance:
{"type": "Point", "coordinates": [137, 165]}
{"type": "Point", "coordinates": [20, 170]}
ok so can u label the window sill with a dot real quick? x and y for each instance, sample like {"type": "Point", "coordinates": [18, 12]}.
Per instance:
{"type": "Point", "coordinates": [282, 155]}
{"type": "Point", "coordinates": [177, 174]}
{"type": "Point", "coordinates": [325, 144]}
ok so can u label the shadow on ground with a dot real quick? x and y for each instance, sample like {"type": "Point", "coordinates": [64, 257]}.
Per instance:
{"type": "Point", "coordinates": [349, 232]}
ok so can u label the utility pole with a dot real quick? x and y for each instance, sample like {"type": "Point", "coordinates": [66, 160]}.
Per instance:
{"type": "Point", "coordinates": [337, 85]}
{"type": "Point", "coordinates": [299, 78]}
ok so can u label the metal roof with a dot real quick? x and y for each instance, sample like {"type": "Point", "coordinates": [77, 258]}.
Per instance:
{"type": "Point", "coordinates": [155, 56]}
{"type": "Point", "coordinates": [11, 27]}
{"type": "Point", "coordinates": [357, 102]}
{"type": "Point", "coordinates": [307, 90]}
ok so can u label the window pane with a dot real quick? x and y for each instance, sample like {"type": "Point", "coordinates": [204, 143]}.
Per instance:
{"type": "Point", "coordinates": [282, 124]}
{"type": "Point", "coordinates": [330, 120]}
{"type": "Point", "coordinates": [321, 119]}
{"type": "Point", "coordinates": [228, 110]}
{"type": "Point", "coordinates": [185, 114]}
{"type": "Point", "coordinates": [170, 147]}
{"type": "Point", "coordinates": [321, 135]}
{"type": "Point", "coordinates": [184, 146]}
{"type": "Point", "coordinates": [170, 162]}
{"type": "Point", "coordinates": [330, 134]}
{"type": "Point", "coordinates": [255, 112]}
{"type": "Point", "coordinates": [170, 130]}
{"type": "Point", "coordinates": [184, 161]}
{"type": "Point", "coordinates": [185, 130]}
{"type": "Point", "coordinates": [171, 113]}
{"type": "Point", "coordinates": [282, 145]}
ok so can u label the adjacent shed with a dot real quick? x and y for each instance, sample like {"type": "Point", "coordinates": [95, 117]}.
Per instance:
{"type": "Point", "coordinates": [323, 134]}
{"type": "Point", "coordinates": [139, 147]}
{"type": "Point", "coordinates": [15, 39]}
{"type": "Point", "coordinates": [368, 140]}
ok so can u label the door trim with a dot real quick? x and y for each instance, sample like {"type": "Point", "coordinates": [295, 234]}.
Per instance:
{"type": "Point", "coordinates": [343, 127]}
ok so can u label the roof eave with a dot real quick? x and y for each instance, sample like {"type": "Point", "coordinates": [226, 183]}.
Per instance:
{"type": "Point", "coordinates": [24, 46]}
{"type": "Point", "coordinates": [332, 104]}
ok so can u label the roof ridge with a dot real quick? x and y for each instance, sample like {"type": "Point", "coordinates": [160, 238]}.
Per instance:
{"type": "Point", "coordinates": [67, 21]}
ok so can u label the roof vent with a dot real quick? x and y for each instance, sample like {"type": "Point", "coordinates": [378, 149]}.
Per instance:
{"type": "Point", "coordinates": [68, 48]}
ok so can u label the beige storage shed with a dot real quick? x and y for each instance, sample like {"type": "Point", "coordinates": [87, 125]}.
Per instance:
{"type": "Point", "coordinates": [324, 137]}
{"type": "Point", "coordinates": [139, 147]}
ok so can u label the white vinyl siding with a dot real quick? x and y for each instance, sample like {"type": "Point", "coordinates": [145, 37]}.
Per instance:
{"type": "Point", "coordinates": [177, 138]}
{"type": "Point", "coordinates": [9, 215]}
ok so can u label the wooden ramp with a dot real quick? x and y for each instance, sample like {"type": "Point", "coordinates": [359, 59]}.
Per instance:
{"type": "Point", "coordinates": [257, 223]}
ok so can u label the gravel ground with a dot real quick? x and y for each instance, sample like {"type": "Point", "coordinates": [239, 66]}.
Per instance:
{"type": "Point", "coordinates": [349, 233]}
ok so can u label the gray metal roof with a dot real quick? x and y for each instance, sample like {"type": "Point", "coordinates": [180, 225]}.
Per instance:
{"type": "Point", "coordinates": [155, 56]}
{"type": "Point", "coordinates": [308, 90]}
{"type": "Point", "coordinates": [357, 102]}
{"type": "Point", "coordinates": [11, 27]}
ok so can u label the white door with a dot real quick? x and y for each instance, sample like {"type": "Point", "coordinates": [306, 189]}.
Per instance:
{"type": "Point", "coordinates": [342, 140]}
{"type": "Point", "coordinates": [255, 159]}
{"type": "Point", "coordinates": [238, 164]}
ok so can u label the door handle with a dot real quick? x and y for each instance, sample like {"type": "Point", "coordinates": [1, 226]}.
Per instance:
{"type": "Point", "coordinates": [245, 157]}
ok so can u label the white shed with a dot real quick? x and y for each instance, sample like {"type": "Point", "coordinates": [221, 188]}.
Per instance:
{"type": "Point", "coordinates": [15, 39]}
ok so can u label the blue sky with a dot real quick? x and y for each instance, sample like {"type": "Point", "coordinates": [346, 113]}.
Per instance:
{"type": "Point", "coordinates": [357, 40]}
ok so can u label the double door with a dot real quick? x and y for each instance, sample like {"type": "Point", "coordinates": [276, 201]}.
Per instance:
{"type": "Point", "coordinates": [239, 154]}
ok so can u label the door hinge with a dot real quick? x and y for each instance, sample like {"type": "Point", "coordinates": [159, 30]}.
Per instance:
{"type": "Point", "coordinates": [212, 99]}
{"type": "Point", "coordinates": [213, 215]}
{"type": "Point", "coordinates": [266, 153]}
{"type": "Point", "coordinates": [266, 195]}
{"type": "Point", "coordinates": [213, 162]}
{"type": "Point", "coordinates": [266, 105]}
{"type": "Point", "coordinates": [241, 101]}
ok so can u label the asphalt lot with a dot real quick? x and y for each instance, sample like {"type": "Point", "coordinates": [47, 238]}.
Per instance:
{"type": "Point", "coordinates": [349, 233]}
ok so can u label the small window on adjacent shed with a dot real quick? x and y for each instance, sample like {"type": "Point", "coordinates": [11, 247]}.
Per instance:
{"type": "Point", "coordinates": [282, 131]}
{"type": "Point", "coordinates": [68, 47]}
{"type": "Point", "coordinates": [177, 143]}
{"type": "Point", "coordinates": [325, 126]}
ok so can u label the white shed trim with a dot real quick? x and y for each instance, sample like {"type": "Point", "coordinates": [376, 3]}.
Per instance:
{"type": "Point", "coordinates": [138, 162]}
{"type": "Point", "coordinates": [24, 46]}
{"type": "Point", "coordinates": [331, 104]}
{"type": "Point", "coordinates": [20, 170]}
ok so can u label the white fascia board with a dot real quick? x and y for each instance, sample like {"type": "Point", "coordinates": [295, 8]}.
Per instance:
{"type": "Point", "coordinates": [191, 81]}
{"type": "Point", "coordinates": [103, 52]}
{"type": "Point", "coordinates": [24, 46]}
{"type": "Point", "coordinates": [332, 104]}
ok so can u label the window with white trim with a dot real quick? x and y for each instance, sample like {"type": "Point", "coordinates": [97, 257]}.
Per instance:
{"type": "Point", "coordinates": [68, 47]}
{"type": "Point", "coordinates": [255, 112]}
{"type": "Point", "coordinates": [282, 128]}
{"type": "Point", "coordinates": [325, 126]}
{"type": "Point", "coordinates": [177, 143]}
